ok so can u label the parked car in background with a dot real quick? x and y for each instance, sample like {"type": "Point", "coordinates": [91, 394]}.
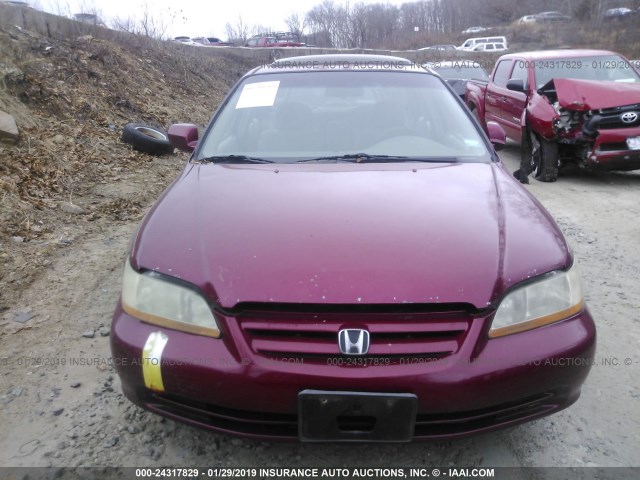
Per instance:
{"type": "Point", "coordinates": [551, 17]}
{"type": "Point", "coordinates": [470, 43]}
{"type": "Point", "coordinates": [618, 13]}
{"type": "Point", "coordinates": [458, 72]}
{"type": "Point", "coordinates": [564, 106]}
{"type": "Point", "coordinates": [439, 47]}
{"type": "Point", "coordinates": [526, 20]}
{"type": "Point", "coordinates": [260, 41]}
{"type": "Point", "coordinates": [475, 30]}
{"type": "Point", "coordinates": [280, 39]}
{"type": "Point", "coordinates": [211, 42]}
{"type": "Point", "coordinates": [489, 47]}
{"type": "Point", "coordinates": [286, 314]}
{"type": "Point", "coordinates": [291, 38]}
{"type": "Point", "coordinates": [186, 41]}
{"type": "Point", "coordinates": [201, 40]}
{"type": "Point", "coordinates": [216, 42]}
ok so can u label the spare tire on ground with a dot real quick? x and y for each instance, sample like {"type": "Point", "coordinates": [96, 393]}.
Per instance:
{"type": "Point", "coordinates": [146, 138]}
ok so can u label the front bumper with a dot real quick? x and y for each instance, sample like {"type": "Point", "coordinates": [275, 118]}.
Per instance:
{"type": "Point", "coordinates": [223, 385]}
{"type": "Point", "coordinates": [611, 152]}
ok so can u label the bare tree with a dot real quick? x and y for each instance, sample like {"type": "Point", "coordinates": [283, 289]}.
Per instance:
{"type": "Point", "coordinates": [344, 25]}
{"type": "Point", "coordinates": [149, 22]}
{"type": "Point", "coordinates": [323, 18]}
{"type": "Point", "coordinates": [260, 29]}
{"type": "Point", "coordinates": [238, 33]}
{"type": "Point", "coordinates": [295, 23]}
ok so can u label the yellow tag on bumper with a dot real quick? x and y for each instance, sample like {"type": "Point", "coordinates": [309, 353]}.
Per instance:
{"type": "Point", "coordinates": [152, 360]}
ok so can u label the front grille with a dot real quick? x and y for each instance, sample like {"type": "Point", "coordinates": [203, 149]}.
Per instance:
{"type": "Point", "coordinates": [611, 118]}
{"type": "Point", "coordinates": [393, 336]}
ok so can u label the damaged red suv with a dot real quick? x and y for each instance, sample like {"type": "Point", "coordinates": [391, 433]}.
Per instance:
{"type": "Point", "coordinates": [345, 258]}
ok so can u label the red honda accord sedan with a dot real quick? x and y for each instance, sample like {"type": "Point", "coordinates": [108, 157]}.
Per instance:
{"type": "Point", "coordinates": [345, 258]}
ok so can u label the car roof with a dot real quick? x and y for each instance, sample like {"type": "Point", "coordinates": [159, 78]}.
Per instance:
{"type": "Point", "coordinates": [345, 61]}
{"type": "Point", "coordinates": [551, 54]}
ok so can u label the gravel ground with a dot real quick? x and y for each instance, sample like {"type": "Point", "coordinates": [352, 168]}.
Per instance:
{"type": "Point", "coordinates": [55, 414]}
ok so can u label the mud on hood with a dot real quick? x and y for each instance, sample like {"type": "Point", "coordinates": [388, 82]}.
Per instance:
{"type": "Point", "coordinates": [583, 95]}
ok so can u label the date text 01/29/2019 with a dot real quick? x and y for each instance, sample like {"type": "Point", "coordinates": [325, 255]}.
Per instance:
{"type": "Point", "coordinates": [305, 472]}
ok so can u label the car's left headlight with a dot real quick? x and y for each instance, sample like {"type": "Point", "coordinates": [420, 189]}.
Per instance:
{"type": "Point", "coordinates": [152, 298]}
{"type": "Point", "coordinates": [553, 297]}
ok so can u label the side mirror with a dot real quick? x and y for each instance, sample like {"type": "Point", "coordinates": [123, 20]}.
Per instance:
{"type": "Point", "coordinates": [183, 136]}
{"type": "Point", "coordinates": [515, 84]}
{"type": "Point", "coordinates": [497, 137]}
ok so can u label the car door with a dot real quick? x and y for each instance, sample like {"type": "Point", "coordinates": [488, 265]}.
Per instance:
{"type": "Point", "coordinates": [515, 102]}
{"type": "Point", "coordinates": [497, 92]}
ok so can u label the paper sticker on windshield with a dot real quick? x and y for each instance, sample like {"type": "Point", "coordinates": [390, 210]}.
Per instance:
{"type": "Point", "coordinates": [261, 94]}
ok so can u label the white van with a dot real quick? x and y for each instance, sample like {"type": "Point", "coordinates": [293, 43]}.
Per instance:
{"type": "Point", "coordinates": [469, 43]}
{"type": "Point", "coordinates": [489, 47]}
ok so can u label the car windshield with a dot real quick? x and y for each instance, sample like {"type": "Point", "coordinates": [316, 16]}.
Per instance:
{"type": "Point", "coordinates": [602, 67]}
{"type": "Point", "coordinates": [292, 117]}
{"type": "Point", "coordinates": [463, 70]}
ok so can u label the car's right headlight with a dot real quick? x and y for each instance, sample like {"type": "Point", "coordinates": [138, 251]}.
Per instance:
{"type": "Point", "coordinates": [155, 299]}
{"type": "Point", "coordinates": [549, 299]}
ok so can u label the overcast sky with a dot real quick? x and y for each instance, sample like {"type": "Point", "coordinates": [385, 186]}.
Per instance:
{"type": "Point", "coordinates": [196, 18]}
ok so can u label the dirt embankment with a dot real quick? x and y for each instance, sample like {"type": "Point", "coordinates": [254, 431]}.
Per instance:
{"type": "Point", "coordinates": [71, 88]}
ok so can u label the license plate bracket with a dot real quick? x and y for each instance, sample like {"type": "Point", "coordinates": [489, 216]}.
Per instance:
{"type": "Point", "coordinates": [325, 416]}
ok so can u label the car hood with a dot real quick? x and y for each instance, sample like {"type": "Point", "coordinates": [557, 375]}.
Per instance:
{"type": "Point", "coordinates": [583, 95]}
{"type": "Point", "coordinates": [349, 233]}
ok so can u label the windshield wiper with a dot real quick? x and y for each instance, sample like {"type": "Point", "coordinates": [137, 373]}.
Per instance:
{"type": "Point", "coordinates": [369, 158]}
{"type": "Point", "coordinates": [233, 159]}
{"type": "Point", "coordinates": [357, 158]}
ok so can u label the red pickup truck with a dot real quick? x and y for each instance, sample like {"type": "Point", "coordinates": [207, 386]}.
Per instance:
{"type": "Point", "coordinates": [565, 106]}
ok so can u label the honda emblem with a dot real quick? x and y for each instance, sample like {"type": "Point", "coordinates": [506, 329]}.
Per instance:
{"type": "Point", "coordinates": [353, 341]}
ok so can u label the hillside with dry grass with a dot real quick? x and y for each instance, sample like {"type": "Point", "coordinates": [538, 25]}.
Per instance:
{"type": "Point", "coordinates": [70, 96]}
{"type": "Point", "coordinates": [620, 36]}
{"type": "Point", "coordinates": [70, 89]}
